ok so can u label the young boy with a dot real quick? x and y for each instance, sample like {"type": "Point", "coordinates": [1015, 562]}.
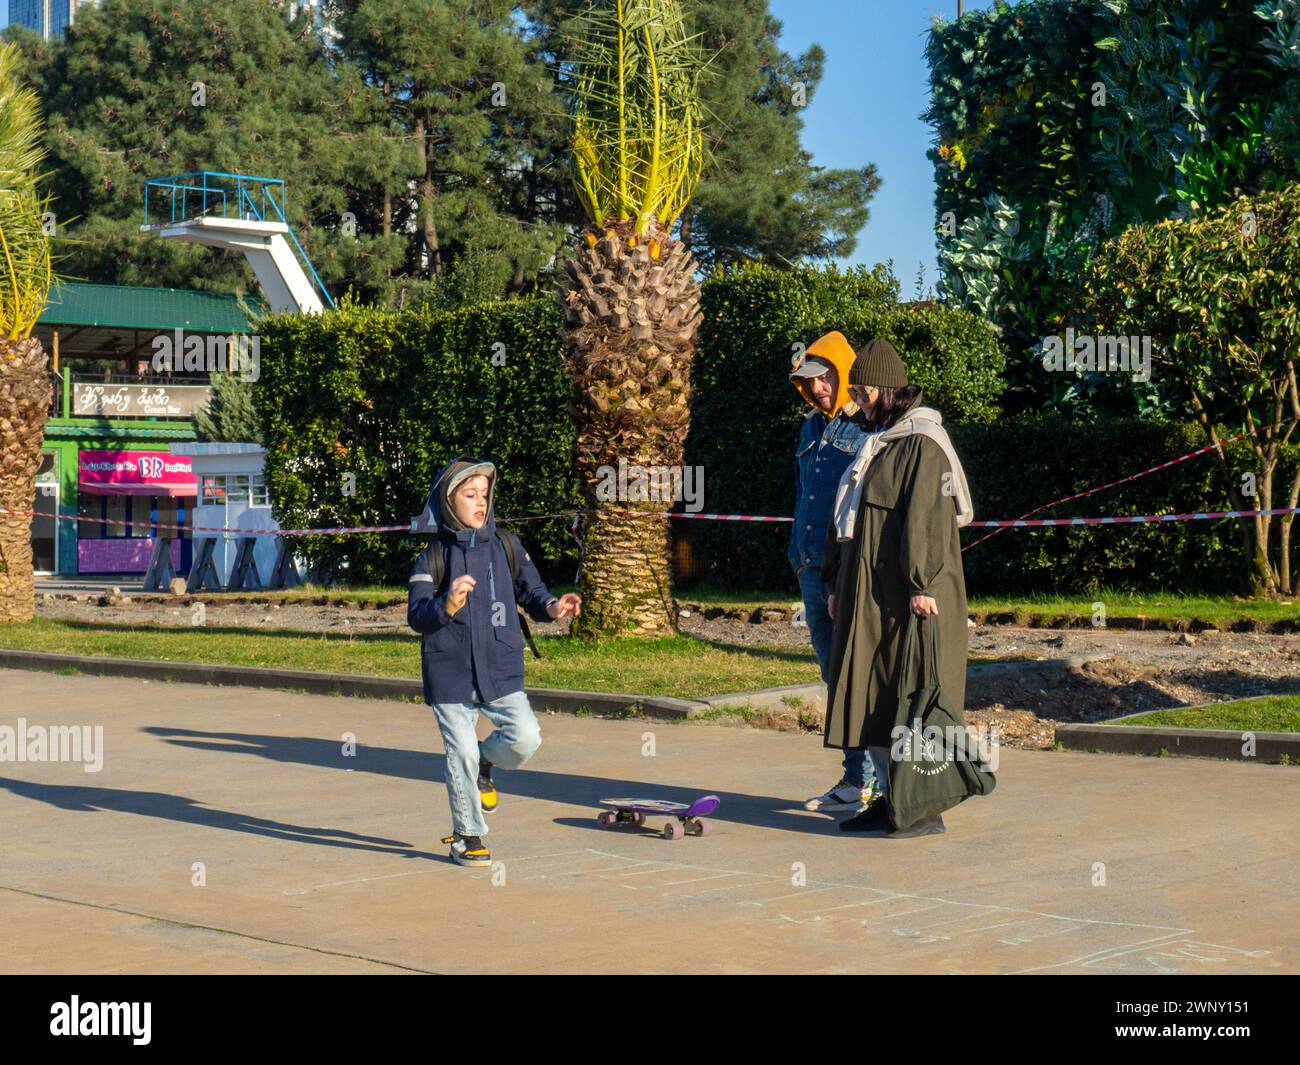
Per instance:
{"type": "Point", "coordinates": [473, 648]}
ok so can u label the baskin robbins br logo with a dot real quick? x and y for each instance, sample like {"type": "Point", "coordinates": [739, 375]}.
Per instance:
{"type": "Point", "coordinates": [151, 467]}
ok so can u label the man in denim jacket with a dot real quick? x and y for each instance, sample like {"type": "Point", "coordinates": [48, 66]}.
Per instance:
{"type": "Point", "coordinates": [828, 442]}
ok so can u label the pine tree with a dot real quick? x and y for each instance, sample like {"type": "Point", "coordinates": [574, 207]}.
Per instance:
{"type": "Point", "coordinates": [229, 416]}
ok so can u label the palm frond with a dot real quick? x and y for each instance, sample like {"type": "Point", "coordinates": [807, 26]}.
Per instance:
{"type": "Point", "coordinates": [21, 151]}
{"type": "Point", "coordinates": [25, 267]}
{"type": "Point", "coordinates": [637, 138]}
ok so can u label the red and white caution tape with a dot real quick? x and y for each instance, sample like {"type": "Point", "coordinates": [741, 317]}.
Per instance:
{"type": "Point", "coordinates": [214, 529]}
{"type": "Point", "coordinates": [1214, 515]}
{"type": "Point", "coordinates": [1014, 523]}
{"type": "Point", "coordinates": [730, 517]}
{"type": "Point", "coordinates": [1123, 480]}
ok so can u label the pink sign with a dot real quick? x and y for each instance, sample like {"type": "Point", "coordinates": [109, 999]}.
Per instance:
{"type": "Point", "coordinates": [145, 473]}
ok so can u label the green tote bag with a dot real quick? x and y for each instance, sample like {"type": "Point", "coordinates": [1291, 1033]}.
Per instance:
{"type": "Point", "coordinates": [933, 758]}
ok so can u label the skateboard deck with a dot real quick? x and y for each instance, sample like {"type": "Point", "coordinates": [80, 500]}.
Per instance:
{"type": "Point", "coordinates": [683, 818]}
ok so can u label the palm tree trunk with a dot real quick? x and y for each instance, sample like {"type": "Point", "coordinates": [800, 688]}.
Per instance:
{"type": "Point", "coordinates": [25, 396]}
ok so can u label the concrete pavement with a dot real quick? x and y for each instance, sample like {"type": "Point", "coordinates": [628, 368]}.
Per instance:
{"type": "Point", "coordinates": [227, 831]}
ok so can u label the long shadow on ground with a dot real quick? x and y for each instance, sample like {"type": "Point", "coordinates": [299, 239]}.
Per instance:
{"type": "Point", "coordinates": [767, 811]}
{"type": "Point", "coordinates": [190, 811]}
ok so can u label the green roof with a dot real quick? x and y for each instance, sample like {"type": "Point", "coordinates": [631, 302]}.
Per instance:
{"type": "Point", "coordinates": [134, 307]}
{"type": "Point", "coordinates": [58, 429]}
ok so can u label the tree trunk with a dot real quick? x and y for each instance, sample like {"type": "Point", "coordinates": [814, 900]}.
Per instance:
{"type": "Point", "coordinates": [1252, 550]}
{"type": "Point", "coordinates": [631, 318]}
{"type": "Point", "coordinates": [626, 577]}
{"type": "Point", "coordinates": [428, 230]}
{"type": "Point", "coordinates": [26, 393]}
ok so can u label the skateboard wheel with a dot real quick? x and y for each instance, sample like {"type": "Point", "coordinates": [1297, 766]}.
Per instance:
{"type": "Point", "coordinates": [703, 828]}
{"type": "Point", "coordinates": [606, 820]}
{"type": "Point", "coordinates": [638, 818]}
{"type": "Point", "coordinates": [674, 830]}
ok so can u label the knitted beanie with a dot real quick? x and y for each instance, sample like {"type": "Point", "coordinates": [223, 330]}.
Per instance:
{"type": "Point", "coordinates": [879, 366]}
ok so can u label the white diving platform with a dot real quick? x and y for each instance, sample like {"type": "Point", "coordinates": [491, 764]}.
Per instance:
{"type": "Point", "coordinates": [265, 244]}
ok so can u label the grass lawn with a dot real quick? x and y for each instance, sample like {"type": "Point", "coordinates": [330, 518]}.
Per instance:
{"type": "Point", "coordinates": [681, 666]}
{"type": "Point", "coordinates": [1270, 713]}
{"type": "Point", "coordinates": [1173, 606]}
{"type": "Point", "coordinates": [1220, 611]}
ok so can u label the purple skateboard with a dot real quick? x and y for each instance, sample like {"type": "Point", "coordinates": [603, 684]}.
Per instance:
{"type": "Point", "coordinates": [682, 818]}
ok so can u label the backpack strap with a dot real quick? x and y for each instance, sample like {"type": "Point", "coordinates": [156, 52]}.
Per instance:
{"type": "Point", "coordinates": [513, 548]}
{"type": "Point", "coordinates": [437, 563]}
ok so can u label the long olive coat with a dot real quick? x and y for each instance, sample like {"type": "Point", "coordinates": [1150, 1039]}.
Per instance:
{"type": "Point", "coordinates": [905, 543]}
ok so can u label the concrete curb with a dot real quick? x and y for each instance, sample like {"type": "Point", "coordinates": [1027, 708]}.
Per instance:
{"type": "Point", "coordinates": [1187, 742]}
{"type": "Point", "coordinates": [814, 695]}
{"type": "Point", "coordinates": [350, 684]}
{"type": "Point", "coordinates": [760, 698]}
{"type": "Point", "coordinates": [411, 690]}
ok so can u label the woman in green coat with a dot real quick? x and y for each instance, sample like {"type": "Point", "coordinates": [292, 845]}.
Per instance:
{"type": "Point", "coordinates": [892, 550]}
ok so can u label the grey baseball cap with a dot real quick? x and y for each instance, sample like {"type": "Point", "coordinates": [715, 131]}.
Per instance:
{"type": "Point", "coordinates": [812, 367]}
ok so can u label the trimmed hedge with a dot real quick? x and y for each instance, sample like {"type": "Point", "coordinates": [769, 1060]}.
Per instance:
{"type": "Point", "coordinates": [745, 414]}
{"type": "Point", "coordinates": [390, 397]}
{"type": "Point", "coordinates": [1018, 464]}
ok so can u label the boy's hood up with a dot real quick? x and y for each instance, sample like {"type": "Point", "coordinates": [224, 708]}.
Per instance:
{"type": "Point", "coordinates": [835, 349]}
{"type": "Point", "coordinates": [437, 513]}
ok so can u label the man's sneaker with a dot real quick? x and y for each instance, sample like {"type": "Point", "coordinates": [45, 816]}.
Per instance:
{"type": "Point", "coordinates": [487, 792]}
{"type": "Point", "coordinates": [875, 818]}
{"type": "Point", "coordinates": [468, 850]}
{"type": "Point", "coordinates": [843, 796]}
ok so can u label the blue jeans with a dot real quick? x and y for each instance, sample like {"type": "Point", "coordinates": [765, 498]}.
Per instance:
{"type": "Point", "coordinates": [820, 626]}
{"type": "Point", "coordinates": [516, 737]}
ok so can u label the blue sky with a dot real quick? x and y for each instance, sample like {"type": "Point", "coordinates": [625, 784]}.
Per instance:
{"type": "Point", "coordinates": [865, 111]}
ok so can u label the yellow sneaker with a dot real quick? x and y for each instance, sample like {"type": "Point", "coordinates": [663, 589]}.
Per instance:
{"type": "Point", "coordinates": [487, 791]}
{"type": "Point", "coordinates": [468, 850]}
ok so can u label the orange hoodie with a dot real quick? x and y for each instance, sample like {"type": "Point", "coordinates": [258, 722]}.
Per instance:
{"type": "Point", "coordinates": [835, 349]}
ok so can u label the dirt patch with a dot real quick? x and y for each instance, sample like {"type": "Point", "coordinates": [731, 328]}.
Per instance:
{"type": "Point", "coordinates": [1145, 668]}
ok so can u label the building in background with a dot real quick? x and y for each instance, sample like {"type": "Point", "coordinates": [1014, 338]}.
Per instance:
{"type": "Point", "coordinates": [105, 460]}
{"type": "Point", "coordinates": [321, 16]}
{"type": "Point", "coordinates": [232, 495]}
{"type": "Point", "coordinates": [49, 18]}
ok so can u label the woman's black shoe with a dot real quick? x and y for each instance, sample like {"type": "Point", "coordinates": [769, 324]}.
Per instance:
{"type": "Point", "coordinates": [875, 818]}
{"type": "Point", "coordinates": [927, 826]}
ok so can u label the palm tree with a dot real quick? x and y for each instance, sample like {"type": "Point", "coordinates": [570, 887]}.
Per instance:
{"type": "Point", "coordinates": [25, 387]}
{"type": "Point", "coordinates": [631, 298]}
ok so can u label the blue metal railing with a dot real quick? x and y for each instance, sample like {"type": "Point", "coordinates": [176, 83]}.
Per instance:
{"type": "Point", "coordinates": [214, 194]}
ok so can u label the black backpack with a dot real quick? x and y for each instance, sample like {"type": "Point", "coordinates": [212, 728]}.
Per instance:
{"type": "Point", "coordinates": [513, 549]}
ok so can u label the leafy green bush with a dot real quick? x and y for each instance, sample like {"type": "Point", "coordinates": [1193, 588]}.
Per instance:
{"type": "Point", "coordinates": [1020, 463]}
{"type": "Point", "coordinates": [361, 406]}
{"type": "Point", "coordinates": [745, 415]}
{"type": "Point", "coordinates": [1060, 122]}
{"type": "Point", "coordinates": [388, 396]}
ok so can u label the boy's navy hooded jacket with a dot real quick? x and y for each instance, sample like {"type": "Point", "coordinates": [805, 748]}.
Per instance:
{"type": "Point", "coordinates": [465, 657]}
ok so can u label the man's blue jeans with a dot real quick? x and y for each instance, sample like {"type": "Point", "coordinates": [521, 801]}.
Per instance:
{"type": "Point", "coordinates": [819, 628]}
{"type": "Point", "coordinates": [516, 737]}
